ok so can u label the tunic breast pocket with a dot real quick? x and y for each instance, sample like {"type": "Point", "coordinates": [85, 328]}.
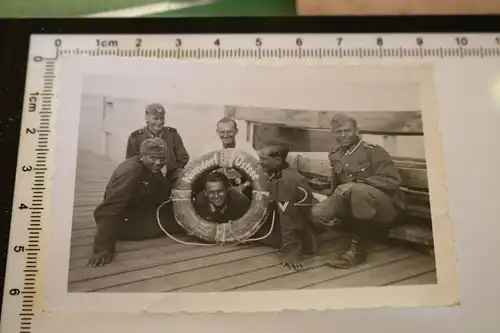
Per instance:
{"type": "Point", "coordinates": [359, 170]}
{"type": "Point", "coordinates": [337, 167]}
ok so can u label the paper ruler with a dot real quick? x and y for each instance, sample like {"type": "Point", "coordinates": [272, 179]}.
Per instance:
{"type": "Point", "coordinates": [23, 287]}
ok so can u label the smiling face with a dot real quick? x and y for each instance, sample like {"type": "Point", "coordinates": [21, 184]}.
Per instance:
{"type": "Point", "coordinates": [216, 192]}
{"type": "Point", "coordinates": [227, 133]}
{"type": "Point", "coordinates": [346, 135]}
{"type": "Point", "coordinates": [155, 122]}
{"type": "Point", "coordinates": [154, 163]}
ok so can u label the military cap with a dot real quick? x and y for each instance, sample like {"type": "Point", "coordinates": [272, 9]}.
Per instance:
{"type": "Point", "coordinates": [340, 119]}
{"type": "Point", "coordinates": [155, 109]}
{"type": "Point", "coordinates": [277, 147]}
{"type": "Point", "coordinates": [153, 146]}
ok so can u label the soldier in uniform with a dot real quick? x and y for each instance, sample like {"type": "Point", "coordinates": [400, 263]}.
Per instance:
{"type": "Point", "coordinates": [131, 199]}
{"type": "Point", "coordinates": [219, 203]}
{"type": "Point", "coordinates": [364, 193]}
{"type": "Point", "coordinates": [176, 155]}
{"type": "Point", "coordinates": [292, 199]}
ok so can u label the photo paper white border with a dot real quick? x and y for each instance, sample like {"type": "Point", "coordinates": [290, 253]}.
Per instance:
{"type": "Point", "coordinates": [187, 82]}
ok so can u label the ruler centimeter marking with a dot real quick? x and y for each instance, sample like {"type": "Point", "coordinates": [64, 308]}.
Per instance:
{"type": "Point", "coordinates": [31, 193]}
{"type": "Point", "coordinates": [283, 53]}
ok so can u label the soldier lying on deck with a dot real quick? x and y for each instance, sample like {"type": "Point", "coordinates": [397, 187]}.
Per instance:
{"type": "Point", "coordinates": [364, 190]}
{"type": "Point", "coordinates": [219, 202]}
{"type": "Point", "coordinates": [292, 200]}
{"type": "Point", "coordinates": [134, 192]}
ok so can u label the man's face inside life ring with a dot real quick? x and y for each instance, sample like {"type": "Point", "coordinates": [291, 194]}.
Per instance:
{"type": "Point", "coordinates": [153, 162]}
{"type": "Point", "coordinates": [216, 192]}
{"type": "Point", "coordinates": [227, 133]}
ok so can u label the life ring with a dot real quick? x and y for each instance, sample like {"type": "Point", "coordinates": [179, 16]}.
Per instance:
{"type": "Point", "coordinates": [234, 231]}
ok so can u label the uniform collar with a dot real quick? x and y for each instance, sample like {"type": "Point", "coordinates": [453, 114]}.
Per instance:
{"type": "Point", "coordinates": [151, 134]}
{"type": "Point", "coordinates": [277, 174]}
{"type": "Point", "coordinates": [353, 149]}
{"type": "Point", "coordinates": [214, 209]}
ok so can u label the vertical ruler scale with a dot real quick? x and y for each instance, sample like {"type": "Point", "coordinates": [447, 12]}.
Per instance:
{"type": "Point", "coordinates": [23, 285]}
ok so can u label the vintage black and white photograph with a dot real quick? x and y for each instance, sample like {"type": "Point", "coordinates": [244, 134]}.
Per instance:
{"type": "Point", "coordinates": [199, 187]}
{"type": "Point", "coordinates": [193, 197]}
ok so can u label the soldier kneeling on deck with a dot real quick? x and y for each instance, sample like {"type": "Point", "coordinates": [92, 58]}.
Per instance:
{"type": "Point", "coordinates": [131, 199]}
{"type": "Point", "coordinates": [292, 199]}
{"type": "Point", "coordinates": [365, 191]}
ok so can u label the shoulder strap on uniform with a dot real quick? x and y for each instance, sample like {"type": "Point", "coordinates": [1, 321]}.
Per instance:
{"type": "Point", "coordinates": [137, 132]}
{"type": "Point", "coordinates": [333, 151]}
{"type": "Point", "coordinates": [171, 129]}
{"type": "Point", "coordinates": [369, 145]}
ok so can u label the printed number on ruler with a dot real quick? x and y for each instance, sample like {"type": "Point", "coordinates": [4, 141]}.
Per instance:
{"type": "Point", "coordinates": [280, 46]}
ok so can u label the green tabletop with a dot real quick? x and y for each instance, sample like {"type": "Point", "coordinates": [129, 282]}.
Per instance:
{"type": "Point", "coordinates": [189, 8]}
{"type": "Point", "coordinates": [236, 8]}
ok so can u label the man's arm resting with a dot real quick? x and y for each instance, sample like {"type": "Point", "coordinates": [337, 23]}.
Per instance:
{"type": "Point", "coordinates": [182, 156]}
{"type": "Point", "coordinates": [386, 175]}
{"type": "Point", "coordinates": [334, 182]}
{"type": "Point", "coordinates": [111, 212]}
{"type": "Point", "coordinates": [131, 150]}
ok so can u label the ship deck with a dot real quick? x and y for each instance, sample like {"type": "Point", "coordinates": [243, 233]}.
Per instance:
{"type": "Point", "coordinates": [163, 265]}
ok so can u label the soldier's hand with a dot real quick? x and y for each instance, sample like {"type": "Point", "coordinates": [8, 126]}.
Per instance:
{"type": "Point", "coordinates": [101, 258]}
{"type": "Point", "coordinates": [342, 189]}
{"type": "Point", "coordinates": [292, 262]}
{"type": "Point", "coordinates": [240, 188]}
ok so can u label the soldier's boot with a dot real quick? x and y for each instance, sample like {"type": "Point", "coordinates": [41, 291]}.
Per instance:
{"type": "Point", "coordinates": [355, 255]}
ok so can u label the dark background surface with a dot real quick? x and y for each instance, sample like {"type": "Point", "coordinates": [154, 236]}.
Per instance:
{"type": "Point", "coordinates": [14, 39]}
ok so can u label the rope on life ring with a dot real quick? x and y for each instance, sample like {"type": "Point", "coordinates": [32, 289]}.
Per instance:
{"type": "Point", "coordinates": [175, 239]}
{"type": "Point", "coordinates": [237, 231]}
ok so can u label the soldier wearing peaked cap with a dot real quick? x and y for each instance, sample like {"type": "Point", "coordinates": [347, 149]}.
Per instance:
{"type": "Point", "coordinates": [365, 190]}
{"type": "Point", "coordinates": [176, 154]}
{"type": "Point", "coordinates": [131, 199]}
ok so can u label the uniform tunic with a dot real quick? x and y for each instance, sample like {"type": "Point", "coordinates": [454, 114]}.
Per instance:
{"type": "Point", "coordinates": [176, 154]}
{"type": "Point", "coordinates": [292, 200]}
{"type": "Point", "coordinates": [128, 210]}
{"type": "Point", "coordinates": [375, 193]}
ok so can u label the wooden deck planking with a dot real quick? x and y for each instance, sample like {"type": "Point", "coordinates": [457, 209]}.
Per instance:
{"type": "Point", "coordinates": [381, 275]}
{"type": "Point", "coordinates": [164, 265]}
{"type": "Point", "coordinates": [425, 278]}
{"type": "Point", "coordinates": [320, 272]}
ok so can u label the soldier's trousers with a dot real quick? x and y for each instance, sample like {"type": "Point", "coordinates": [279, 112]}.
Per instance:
{"type": "Point", "coordinates": [144, 225]}
{"type": "Point", "coordinates": [362, 203]}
